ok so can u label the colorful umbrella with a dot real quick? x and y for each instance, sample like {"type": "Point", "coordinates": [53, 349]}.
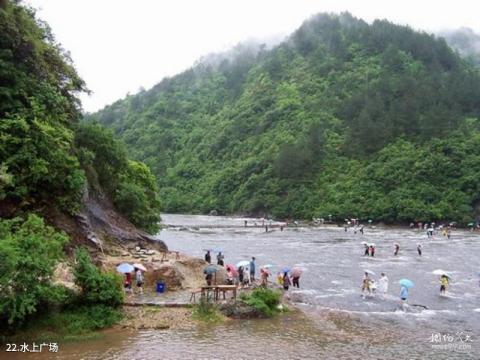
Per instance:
{"type": "Point", "coordinates": [140, 266]}
{"type": "Point", "coordinates": [231, 268]}
{"type": "Point", "coordinates": [265, 271]}
{"type": "Point", "coordinates": [297, 271]}
{"type": "Point", "coordinates": [268, 266]}
{"type": "Point", "coordinates": [125, 268]}
{"type": "Point", "coordinates": [407, 283]}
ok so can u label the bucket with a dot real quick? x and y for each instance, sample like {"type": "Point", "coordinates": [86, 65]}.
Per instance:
{"type": "Point", "coordinates": [161, 287]}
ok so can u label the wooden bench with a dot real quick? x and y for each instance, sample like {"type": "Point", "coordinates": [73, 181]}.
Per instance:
{"type": "Point", "coordinates": [215, 290]}
{"type": "Point", "coordinates": [194, 293]}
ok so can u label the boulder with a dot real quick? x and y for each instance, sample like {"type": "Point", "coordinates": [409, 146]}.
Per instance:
{"type": "Point", "coordinates": [240, 310]}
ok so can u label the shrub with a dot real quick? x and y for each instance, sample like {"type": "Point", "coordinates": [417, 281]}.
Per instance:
{"type": "Point", "coordinates": [29, 251]}
{"type": "Point", "coordinates": [207, 312]}
{"type": "Point", "coordinates": [97, 287]}
{"type": "Point", "coordinates": [264, 300]}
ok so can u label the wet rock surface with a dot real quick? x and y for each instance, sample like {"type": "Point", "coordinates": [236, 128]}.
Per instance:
{"type": "Point", "coordinates": [240, 310]}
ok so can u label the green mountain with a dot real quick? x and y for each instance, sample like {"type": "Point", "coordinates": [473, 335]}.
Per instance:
{"type": "Point", "coordinates": [343, 118]}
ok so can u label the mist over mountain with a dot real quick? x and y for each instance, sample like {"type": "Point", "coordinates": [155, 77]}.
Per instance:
{"type": "Point", "coordinates": [466, 42]}
{"type": "Point", "coordinates": [342, 118]}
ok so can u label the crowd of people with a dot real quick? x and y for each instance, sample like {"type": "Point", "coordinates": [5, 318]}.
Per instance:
{"type": "Point", "coordinates": [370, 286]}
{"type": "Point", "coordinates": [244, 274]}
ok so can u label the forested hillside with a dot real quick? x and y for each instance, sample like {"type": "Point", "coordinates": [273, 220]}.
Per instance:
{"type": "Point", "coordinates": [343, 118]}
{"type": "Point", "coordinates": [46, 154]}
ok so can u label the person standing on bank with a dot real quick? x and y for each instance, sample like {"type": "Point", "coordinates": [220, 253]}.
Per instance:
{"type": "Point", "coordinates": [208, 257]}
{"type": "Point", "coordinates": [220, 259]}
{"type": "Point", "coordinates": [139, 280]}
{"type": "Point", "coordinates": [252, 270]}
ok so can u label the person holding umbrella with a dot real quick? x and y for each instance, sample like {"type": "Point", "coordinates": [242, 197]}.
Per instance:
{"type": "Point", "coordinates": [295, 274]}
{"type": "Point", "coordinates": [286, 281]}
{"type": "Point", "coordinates": [126, 268]}
{"type": "Point", "coordinates": [139, 268]}
{"type": "Point", "coordinates": [367, 281]}
{"type": "Point", "coordinates": [405, 285]}
{"type": "Point", "coordinates": [443, 283]}
{"type": "Point", "coordinates": [264, 273]}
{"type": "Point", "coordinates": [209, 271]}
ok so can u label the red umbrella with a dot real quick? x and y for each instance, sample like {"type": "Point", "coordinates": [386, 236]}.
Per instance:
{"type": "Point", "coordinates": [231, 268]}
{"type": "Point", "coordinates": [297, 271]}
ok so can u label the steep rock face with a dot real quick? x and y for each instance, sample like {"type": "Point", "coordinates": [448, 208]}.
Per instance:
{"type": "Point", "coordinates": [99, 226]}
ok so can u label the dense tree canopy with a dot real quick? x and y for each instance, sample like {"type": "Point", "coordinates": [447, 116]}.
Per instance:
{"type": "Point", "coordinates": [342, 118]}
{"type": "Point", "coordinates": [44, 151]}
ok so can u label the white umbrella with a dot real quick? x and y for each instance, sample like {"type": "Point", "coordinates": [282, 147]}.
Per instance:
{"type": "Point", "coordinates": [125, 268]}
{"type": "Point", "coordinates": [364, 243]}
{"type": "Point", "coordinates": [243, 263]}
{"type": "Point", "coordinates": [369, 272]}
{"type": "Point", "coordinates": [371, 244]}
{"type": "Point", "coordinates": [140, 266]}
{"type": "Point", "coordinates": [441, 272]}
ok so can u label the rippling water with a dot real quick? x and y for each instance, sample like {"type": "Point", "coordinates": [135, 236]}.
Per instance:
{"type": "Point", "coordinates": [339, 323]}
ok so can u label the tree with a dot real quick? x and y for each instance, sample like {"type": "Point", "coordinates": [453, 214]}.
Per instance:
{"type": "Point", "coordinates": [29, 251]}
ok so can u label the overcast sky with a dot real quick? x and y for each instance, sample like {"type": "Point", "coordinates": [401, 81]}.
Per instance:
{"type": "Point", "coordinates": [119, 46]}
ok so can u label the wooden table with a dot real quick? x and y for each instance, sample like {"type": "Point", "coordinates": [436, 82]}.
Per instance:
{"type": "Point", "coordinates": [216, 290]}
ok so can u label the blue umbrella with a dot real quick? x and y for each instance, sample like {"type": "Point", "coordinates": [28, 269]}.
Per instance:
{"type": "Point", "coordinates": [286, 270]}
{"type": "Point", "coordinates": [125, 268]}
{"type": "Point", "coordinates": [210, 269]}
{"type": "Point", "coordinates": [407, 283]}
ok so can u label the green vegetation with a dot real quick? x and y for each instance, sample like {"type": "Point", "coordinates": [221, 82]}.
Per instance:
{"type": "Point", "coordinates": [29, 251]}
{"type": "Point", "coordinates": [264, 300]}
{"type": "Point", "coordinates": [343, 118]}
{"type": "Point", "coordinates": [47, 160]}
{"type": "Point", "coordinates": [45, 153]}
{"type": "Point", "coordinates": [130, 184]}
{"type": "Point", "coordinates": [97, 288]}
{"type": "Point", "coordinates": [207, 312]}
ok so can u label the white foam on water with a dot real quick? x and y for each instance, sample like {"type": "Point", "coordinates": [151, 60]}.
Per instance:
{"type": "Point", "coordinates": [411, 312]}
{"type": "Point", "coordinates": [477, 310]}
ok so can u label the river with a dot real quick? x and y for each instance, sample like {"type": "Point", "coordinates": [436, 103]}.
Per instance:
{"type": "Point", "coordinates": [338, 321]}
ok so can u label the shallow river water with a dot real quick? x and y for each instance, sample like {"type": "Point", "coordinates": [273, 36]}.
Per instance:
{"type": "Point", "coordinates": [338, 322]}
